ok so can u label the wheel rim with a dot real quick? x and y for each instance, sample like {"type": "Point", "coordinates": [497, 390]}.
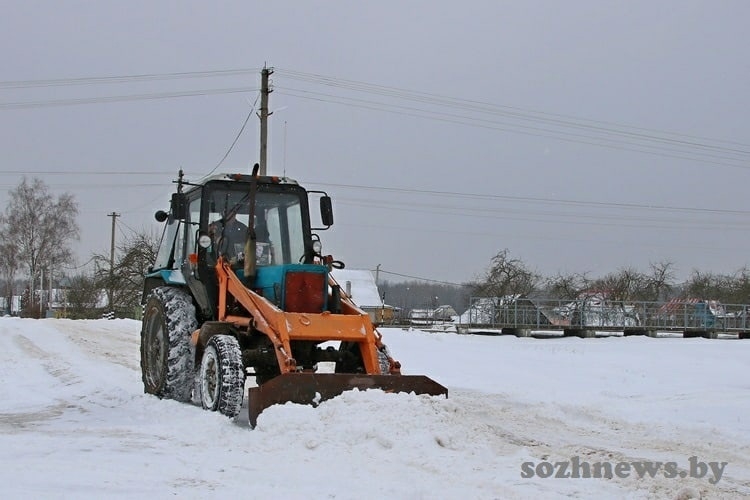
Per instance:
{"type": "Point", "coordinates": [156, 349]}
{"type": "Point", "coordinates": [210, 379]}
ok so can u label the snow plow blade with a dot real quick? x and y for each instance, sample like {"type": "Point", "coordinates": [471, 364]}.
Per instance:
{"type": "Point", "coordinates": [312, 388]}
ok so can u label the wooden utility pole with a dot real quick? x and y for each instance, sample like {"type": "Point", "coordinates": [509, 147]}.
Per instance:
{"type": "Point", "coordinates": [111, 293]}
{"type": "Point", "coordinates": [265, 91]}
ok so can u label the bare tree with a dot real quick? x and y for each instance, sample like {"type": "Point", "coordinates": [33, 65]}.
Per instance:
{"type": "Point", "coordinates": [741, 287]}
{"type": "Point", "coordinates": [83, 297]}
{"type": "Point", "coordinates": [661, 281]}
{"type": "Point", "coordinates": [40, 227]}
{"type": "Point", "coordinates": [727, 288]}
{"type": "Point", "coordinates": [624, 285]}
{"type": "Point", "coordinates": [507, 276]}
{"type": "Point", "coordinates": [706, 285]}
{"type": "Point", "coordinates": [567, 286]}
{"type": "Point", "coordinates": [8, 266]}
{"type": "Point", "coordinates": [132, 260]}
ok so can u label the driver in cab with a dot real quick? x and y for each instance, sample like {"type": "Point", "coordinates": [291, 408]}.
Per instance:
{"type": "Point", "coordinates": [229, 236]}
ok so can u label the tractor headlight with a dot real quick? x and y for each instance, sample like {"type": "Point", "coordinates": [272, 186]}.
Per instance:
{"type": "Point", "coordinates": [204, 241]}
{"type": "Point", "coordinates": [317, 247]}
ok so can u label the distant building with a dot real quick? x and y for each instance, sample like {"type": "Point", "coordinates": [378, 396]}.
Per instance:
{"type": "Point", "coordinates": [361, 287]}
{"type": "Point", "coordinates": [439, 314]}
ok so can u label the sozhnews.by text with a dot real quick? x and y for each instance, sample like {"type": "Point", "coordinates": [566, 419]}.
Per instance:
{"type": "Point", "coordinates": [576, 468]}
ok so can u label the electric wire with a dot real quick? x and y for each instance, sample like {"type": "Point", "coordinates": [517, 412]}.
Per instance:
{"type": "Point", "coordinates": [122, 98]}
{"type": "Point", "coordinates": [544, 133]}
{"type": "Point", "coordinates": [420, 279]}
{"type": "Point", "coordinates": [553, 201]}
{"type": "Point", "coordinates": [419, 96]}
{"type": "Point", "coordinates": [515, 111]}
{"type": "Point", "coordinates": [252, 110]}
{"type": "Point", "coordinates": [98, 80]}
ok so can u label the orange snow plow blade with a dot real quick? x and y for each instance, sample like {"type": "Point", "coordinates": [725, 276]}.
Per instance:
{"type": "Point", "coordinates": [312, 388]}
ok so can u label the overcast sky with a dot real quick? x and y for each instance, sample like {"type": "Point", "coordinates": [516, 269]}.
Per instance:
{"type": "Point", "coordinates": [582, 136]}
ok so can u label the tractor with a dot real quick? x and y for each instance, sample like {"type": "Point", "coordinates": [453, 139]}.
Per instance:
{"type": "Point", "coordinates": [240, 289]}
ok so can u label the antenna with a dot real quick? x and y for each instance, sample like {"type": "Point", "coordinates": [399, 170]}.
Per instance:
{"type": "Point", "coordinates": [284, 161]}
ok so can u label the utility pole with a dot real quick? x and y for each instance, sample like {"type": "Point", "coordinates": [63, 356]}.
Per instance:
{"type": "Point", "coordinates": [111, 293]}
{"type": "Point", "coordinates": [265, 91]}
{"type": "Point", "coordinates": [41, 291]}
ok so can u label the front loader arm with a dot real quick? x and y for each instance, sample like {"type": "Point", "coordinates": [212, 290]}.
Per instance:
{"type": "Point", "coordinates": [283, 327]}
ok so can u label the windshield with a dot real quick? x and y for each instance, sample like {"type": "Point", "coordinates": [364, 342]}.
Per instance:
{"type": "Point", "coordinates": [278, 221]}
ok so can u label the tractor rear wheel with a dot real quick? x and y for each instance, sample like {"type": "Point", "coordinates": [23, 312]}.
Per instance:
{"type": "Point", "coordinates": [352, 360]}
{"type": "Point", "coordinates": [222, 376]}
{"type": "Point", "coordinates": [167, 357]}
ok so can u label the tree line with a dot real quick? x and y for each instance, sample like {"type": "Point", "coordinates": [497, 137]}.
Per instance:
{"type": "Point", "coordinates": [37, 230]}
{"type": "Point", "coordinates": [507, 275]}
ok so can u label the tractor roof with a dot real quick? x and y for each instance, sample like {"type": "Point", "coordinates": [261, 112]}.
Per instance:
{"type": "Point", "coordinates": [264, 179]}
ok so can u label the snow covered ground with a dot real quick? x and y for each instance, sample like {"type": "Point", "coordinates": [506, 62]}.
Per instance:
{"type": "Point", "coordinates": [74, 422]}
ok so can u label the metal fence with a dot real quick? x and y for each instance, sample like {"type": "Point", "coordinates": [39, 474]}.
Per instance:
{"type": "Point", "coordinates": [601, 314]}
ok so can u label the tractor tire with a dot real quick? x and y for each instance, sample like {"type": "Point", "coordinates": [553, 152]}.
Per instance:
{"type": "Point", "coordinates": [354, 363]}
{"type": "Point", "coordinates": [222, 376]}
{"type": "Point", "coordinates": [385, 365]}
{"type": "Point", "coordinates": [351, 359]}
{"type": "Point", "coordinates": [167, 356]}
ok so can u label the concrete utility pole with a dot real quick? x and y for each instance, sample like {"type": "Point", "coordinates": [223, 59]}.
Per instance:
{"type": "Point", "coordinates": [265, 91]}
{"type": "Point", "coordinates": [41, 291]}
{"type": "Point", "coordinates": [110, 294]}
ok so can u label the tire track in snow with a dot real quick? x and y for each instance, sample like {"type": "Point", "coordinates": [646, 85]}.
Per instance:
{"type": "Point", "coordinates": [547, 432]}
{"type": "Point", "coordinates": [53, 365]}
{"type": "Point", "coordinates": [108, 344]}
{"type": "Point", "coordinates": [20, 421]}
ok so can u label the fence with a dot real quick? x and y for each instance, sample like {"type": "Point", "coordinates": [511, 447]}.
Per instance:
{"type": "Point", "coordinates": [594, 313]}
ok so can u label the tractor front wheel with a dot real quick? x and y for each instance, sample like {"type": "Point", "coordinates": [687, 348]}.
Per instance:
{"type": "Point", "coordinates": [222, 376]}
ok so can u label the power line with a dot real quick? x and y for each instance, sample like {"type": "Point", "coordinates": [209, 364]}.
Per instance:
{"type": "Point", "coordinates": [411, 191]}
{"type": "Point", "coordinates": [575, 219]}
{"type": "Point", "coordinates": [483, 106]}
{"type": "Point", "coordinates": [79, 172]}
{"type": "Point", "coordinates": [466, 120]}
{"type": "Point", "coordinates": [73, 268]}
{"type": "Point", "coordinates": [560, 135]}
{"type": "Point", "coordinates": [252, 110]}
{"type": "Point", "coordinates": [608, 135]}
{"type": "Point", "coordinates": [97, 80]}
{"type": "Point", "coordinates": [532, 199]}
{"type": "Point", "coordinates": [423, 279]}
{"type": "Point", "coordinates": [515, 112]}
{"type": "Point", "coordinates": [122, 98]}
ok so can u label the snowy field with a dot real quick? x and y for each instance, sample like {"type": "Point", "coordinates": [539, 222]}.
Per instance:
{"type": "Point", "coordinates": [74, 423]}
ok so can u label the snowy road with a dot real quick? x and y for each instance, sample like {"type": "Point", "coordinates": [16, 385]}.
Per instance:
{"type": "Point", "coordinates": [74, 422]}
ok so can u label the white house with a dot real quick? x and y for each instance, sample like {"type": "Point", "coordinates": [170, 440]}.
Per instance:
{"type": "Point", "coordinates": [360, 285]}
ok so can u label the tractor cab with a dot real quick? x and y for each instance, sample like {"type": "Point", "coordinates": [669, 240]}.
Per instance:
{"type": "Point", "coordinates": [261, 226]}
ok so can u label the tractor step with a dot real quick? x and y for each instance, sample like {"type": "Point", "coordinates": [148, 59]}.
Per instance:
{"type": "Point", "coordinates": [312, 388]}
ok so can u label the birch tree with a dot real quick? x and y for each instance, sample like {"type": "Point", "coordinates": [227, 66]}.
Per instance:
{"type": "Point", "coordinates": [41, 227]}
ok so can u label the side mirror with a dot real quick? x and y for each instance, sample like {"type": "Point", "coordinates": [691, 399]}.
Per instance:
{"type": "Point", "coordinates": [179, 206]}
{"type": "Point", "coordinates": [161, 216]}
{"type": "Point", "coordinates": [326, 211]}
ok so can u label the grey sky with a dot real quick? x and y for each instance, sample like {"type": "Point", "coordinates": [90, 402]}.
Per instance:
{"type": "Point", "coordinates": [529, 97]}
